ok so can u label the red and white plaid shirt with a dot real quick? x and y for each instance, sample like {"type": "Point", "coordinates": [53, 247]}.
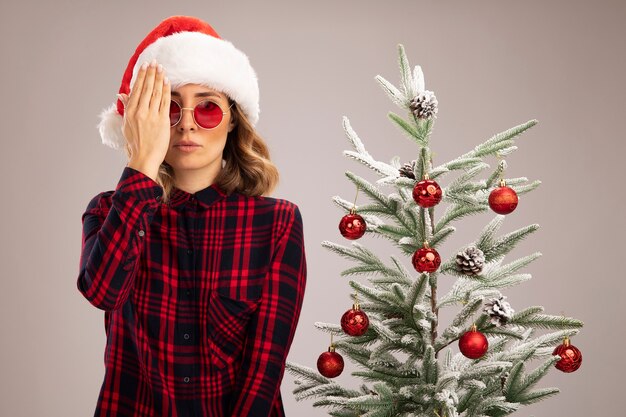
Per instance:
{"type": "Point", "coordinates": [201, 297]}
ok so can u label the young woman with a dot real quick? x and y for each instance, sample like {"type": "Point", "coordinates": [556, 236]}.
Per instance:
{"type": "Point", "coordinates": [200, 275]}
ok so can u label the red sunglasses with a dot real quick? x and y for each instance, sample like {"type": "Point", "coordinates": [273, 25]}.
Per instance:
{"type": "Point", "coordinates": [207, 114]}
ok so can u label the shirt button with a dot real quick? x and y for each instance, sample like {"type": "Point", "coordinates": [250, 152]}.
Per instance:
{"type": "Point", "coordinates": [189, 251]}
{"type": "Point", "coordinates": [186, 336]}
{"type": "Point", "coordinates": [141, 233]}
{"type": "Point", "coordinates": [186, 379]}
{"type": "Point", "coordinates": [189, 293]}
{"type": "Point", "coordinates": [158, 198]}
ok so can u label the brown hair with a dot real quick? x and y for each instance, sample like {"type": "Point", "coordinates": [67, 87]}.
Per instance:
{"type": "Point", "coordinates": [248, 169]}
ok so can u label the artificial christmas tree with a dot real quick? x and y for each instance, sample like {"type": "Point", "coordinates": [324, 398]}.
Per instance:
{"type": "Point", "coordinates": [399, 352]}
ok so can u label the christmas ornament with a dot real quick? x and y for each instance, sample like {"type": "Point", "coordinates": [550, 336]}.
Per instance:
{"type": "Point", "coordinates": [424, 105]}
{"type": "Point", "coordinates": [352, 226]}
{"type": "Point", "coordinates": [354, 321]}
{"type": "Point", "coordinates": [426, 259]}
{"type": "Point", "coordinates": [408, 170]}
{"type": "Point", "coordinates": [470, 261]}
{"type": "Point", "coordinates": [330, 363]}
{"type": "Point", "coordinates": [473, 344]}
{"type": "Point", "coordinates": [571, 356]}
{"type": "Point", "coordinates": [427, 193]}
{"type": "Point", "coordinates": [191, 51]}
{"type": "Point", "coordinates": [503, 200]}
{"type": "Point", "coordinates": [499, 311]}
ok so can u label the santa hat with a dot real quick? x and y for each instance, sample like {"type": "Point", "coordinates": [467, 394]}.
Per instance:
{"type": "Point", "coordinates": [190, 51]}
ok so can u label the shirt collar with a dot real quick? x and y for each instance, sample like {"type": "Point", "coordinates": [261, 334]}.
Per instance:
{"type": "Point", "coordinates": [205, 197]}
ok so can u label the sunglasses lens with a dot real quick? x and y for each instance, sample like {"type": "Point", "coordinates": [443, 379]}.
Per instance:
{"type": "Point", "coordinates": [208, 114]}
{"type": "Point", "coordinates": [175, 113]}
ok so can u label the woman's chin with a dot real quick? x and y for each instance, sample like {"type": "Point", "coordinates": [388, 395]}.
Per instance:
{"type": "Point", "coordinates": [185, 162]}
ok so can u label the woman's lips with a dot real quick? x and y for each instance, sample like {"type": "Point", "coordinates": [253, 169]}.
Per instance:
{"type": "Point", "coordinates": [187, 148]}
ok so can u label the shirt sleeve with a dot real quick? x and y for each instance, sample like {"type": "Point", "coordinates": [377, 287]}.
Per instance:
{"type": "Point", "coordinates": [113, 235]}
{"type": "Point", "coordinates": [273, 325]}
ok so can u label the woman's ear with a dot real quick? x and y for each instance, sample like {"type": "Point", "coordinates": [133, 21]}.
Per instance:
{"type": "Point", "coordinates": [232, 123]}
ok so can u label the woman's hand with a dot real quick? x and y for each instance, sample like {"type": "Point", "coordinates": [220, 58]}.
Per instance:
{"type": "Point", "coordinates": [146, 119]}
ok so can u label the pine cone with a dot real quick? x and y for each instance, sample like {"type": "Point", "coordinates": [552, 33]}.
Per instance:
{"type": "Point", "coordinates": [424, 106]}
{"type": "Point", "coordinates": [470, 261]}
{"type": "Point", "coordinates": [407, 170]}
{"type": "Point", "coordinates": [499, 310]}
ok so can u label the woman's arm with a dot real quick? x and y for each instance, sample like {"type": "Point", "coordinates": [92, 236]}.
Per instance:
{"type": "Point", "coordinates": [273, 325]}
{"type": "Point", "coordinates": [113, 236]}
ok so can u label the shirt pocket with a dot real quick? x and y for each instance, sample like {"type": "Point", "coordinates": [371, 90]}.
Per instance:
{"type": "Point", "coordinates": [227, 324]}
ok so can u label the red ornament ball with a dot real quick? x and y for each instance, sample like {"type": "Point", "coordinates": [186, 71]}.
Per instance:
{"type": "Point", "coordinates": [330, 364]}
{"type": "Point", "coordinates": [354, 321]}
{"type": "Point", "coordinates": [473, 344]}
{"type": "Point", "coordinates": [503, 200]}
{"type": "Point", "coordinates": [426, 260]}
{"type": "Point", "coordinates": [571, 357]}
{"type": "Point", "coordinates": [427, 193]}
{"type": "Point", "coordinates": [352, 226]}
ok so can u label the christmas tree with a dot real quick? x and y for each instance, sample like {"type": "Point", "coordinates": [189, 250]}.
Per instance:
{"type": "Point", "coordinates": [408, 360]}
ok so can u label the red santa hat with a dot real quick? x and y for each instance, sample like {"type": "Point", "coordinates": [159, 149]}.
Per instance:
{"type": "Point", "coordinates": [190, 51]}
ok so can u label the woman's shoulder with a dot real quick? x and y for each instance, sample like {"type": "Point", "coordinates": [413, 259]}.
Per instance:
{"type": "Point", "coordinates": [275, 202]}
{"type": "Point", "coordinates": [284, 210]}
{"type": "Point", "coordinates": [101, 201]}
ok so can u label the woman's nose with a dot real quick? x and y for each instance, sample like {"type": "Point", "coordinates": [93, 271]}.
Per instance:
{"type": "Point", "coordinates": [186, 119]}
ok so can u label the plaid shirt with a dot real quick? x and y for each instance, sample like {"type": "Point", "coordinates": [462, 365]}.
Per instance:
{"type": "Point", "coordinates": [201, 298]}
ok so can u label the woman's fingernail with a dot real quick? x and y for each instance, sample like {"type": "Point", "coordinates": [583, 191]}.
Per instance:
{"type": "Point", "coordinates": [144, 65]}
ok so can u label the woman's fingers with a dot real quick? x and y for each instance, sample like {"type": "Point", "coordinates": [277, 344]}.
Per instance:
{"type": "Point", "coordinates": [155, 101]}
{"type": "Point", "coordinates": [146, 89]}
{"type": "Point", "coordinates": [166, 97]}
{"type": "Point", "coordinates": [146, 127]}
{"type": "Point", "coordinates": [135, 92]}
